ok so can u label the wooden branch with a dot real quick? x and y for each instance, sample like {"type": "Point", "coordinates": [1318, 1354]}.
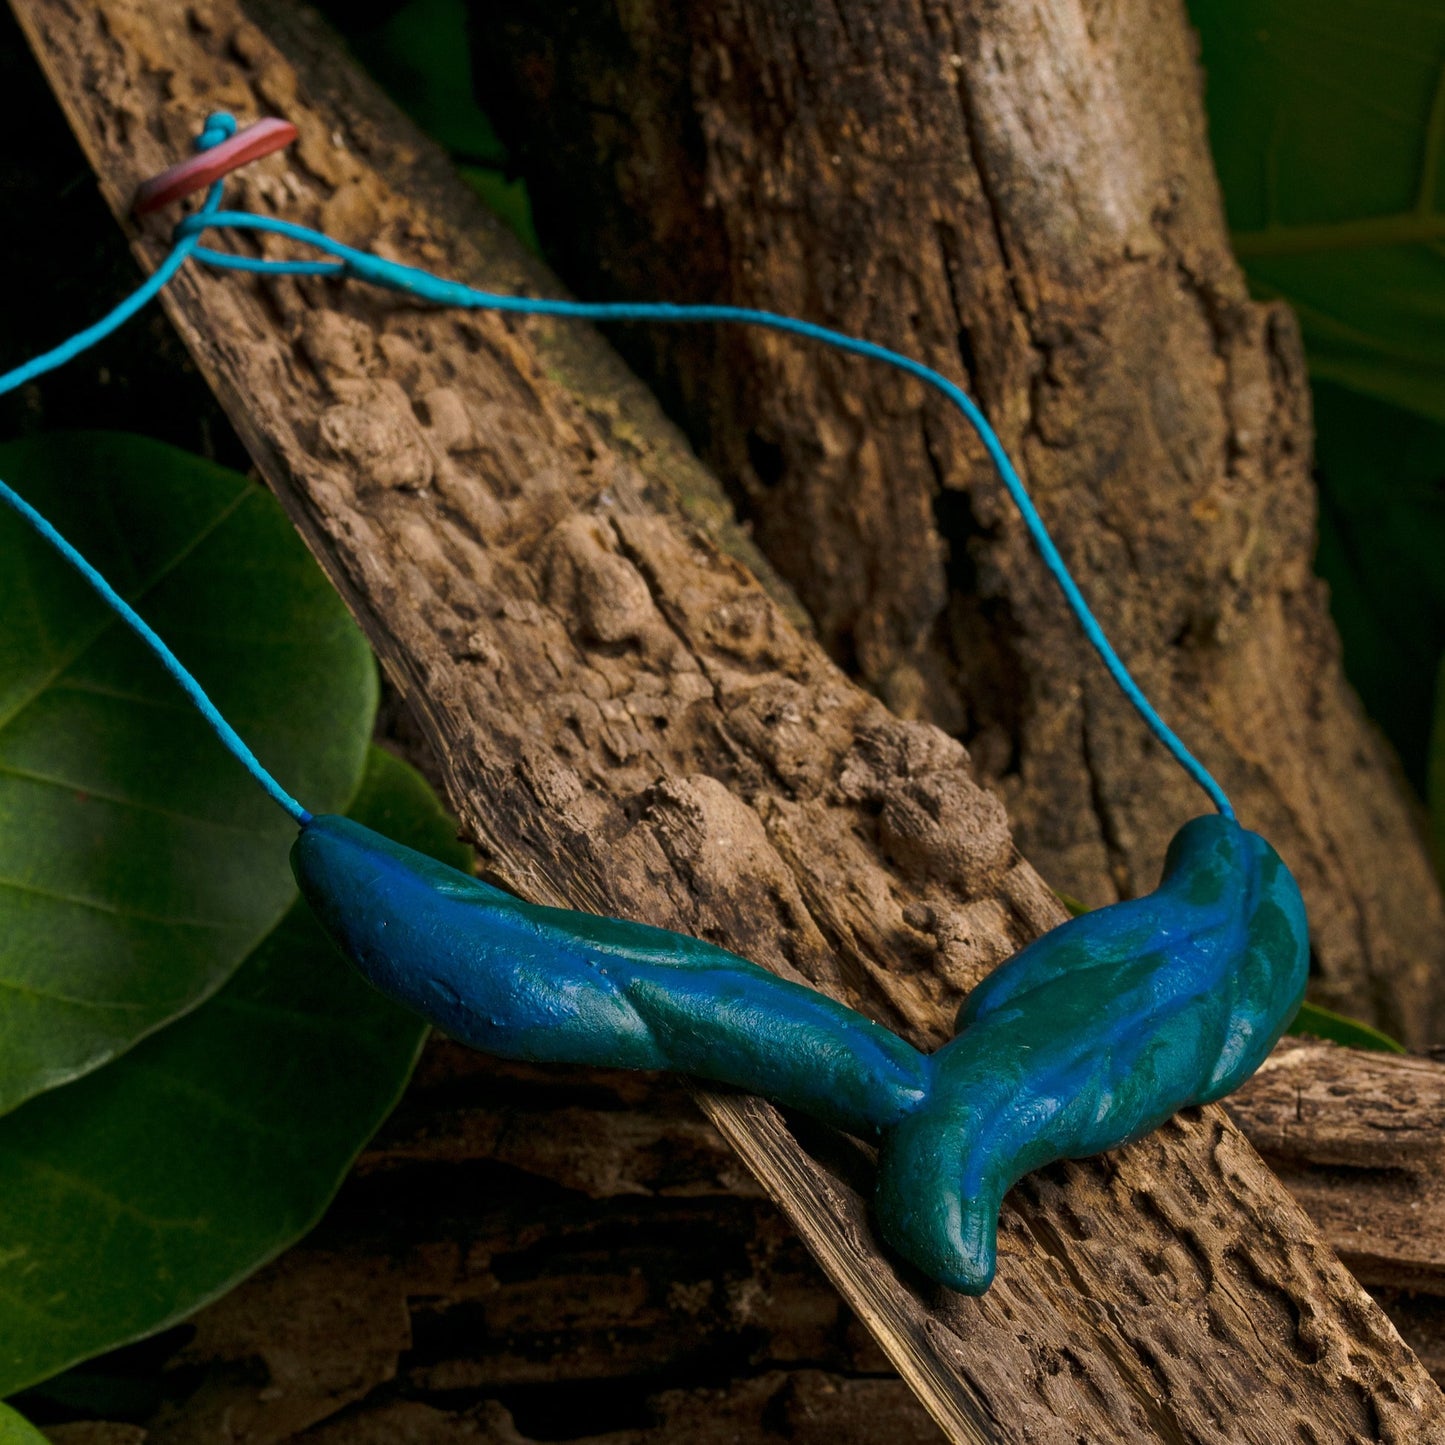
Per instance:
{"type": "Point", "coordinates": [1359, 1140]}
{"type": "Point", "coordinates": [521, 1235]}
{"type": "Point", "coordinates": [628, 722]}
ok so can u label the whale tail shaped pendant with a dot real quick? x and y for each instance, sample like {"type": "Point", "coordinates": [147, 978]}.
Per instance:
{"type": "Point", "coordinates": [1091, 1036]}
{"type": "Point", "coordinates": [1094, 1035]}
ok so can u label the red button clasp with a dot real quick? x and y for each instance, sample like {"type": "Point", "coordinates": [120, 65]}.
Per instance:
{"type": "Point", "coordinates": [247, 145]}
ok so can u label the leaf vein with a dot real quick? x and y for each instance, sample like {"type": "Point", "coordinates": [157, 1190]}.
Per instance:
{"type": "Point", "coordinates": [69, 786]}
{"type": "Point", "coordinates": [9, 985]}
{"type": "Point", "coordinates": [111, 621]}
{"type": "Point", "coordinates": [94, 904]}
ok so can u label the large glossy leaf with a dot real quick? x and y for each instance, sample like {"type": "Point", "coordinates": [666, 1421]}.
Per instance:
{"type": "Point", "coordinates": [16, 1431]}
{"type": "Point", "coordinates": [129, 1198]}
{"type": "Point", "coordinates": [138, 863]}
{"type": "Point", "coordinates": [1382, 550]}
{"type": "Point", "coordinates": [1327, 119]}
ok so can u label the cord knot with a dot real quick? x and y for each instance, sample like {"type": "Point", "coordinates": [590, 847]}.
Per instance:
{"type": "Point", "coordinates": [220, 125]}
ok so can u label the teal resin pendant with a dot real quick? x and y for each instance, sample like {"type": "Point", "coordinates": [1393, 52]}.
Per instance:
{"type": "Point", "coordinates": [1091, 1036]}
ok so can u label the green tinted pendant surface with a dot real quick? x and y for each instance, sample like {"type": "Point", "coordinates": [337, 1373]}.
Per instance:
{"type": "Point", "coordinates": [1094, 1035]}
{"type": "Point", "coordinates": [1091, 1036]}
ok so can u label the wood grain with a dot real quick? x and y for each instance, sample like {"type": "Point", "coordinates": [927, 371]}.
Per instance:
{"type": "Point", "coordinates": [1359, 1140]}
{"type": "Point", "coordinates": [573, 1254]}
{"type": "Point", "coordinates": [628, 722]}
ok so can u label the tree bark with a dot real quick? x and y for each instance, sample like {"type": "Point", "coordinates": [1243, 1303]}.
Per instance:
{"type": "Point", "coordinates": [535, 1254]}
{"type": "Point", "coordinates": [1022, 196]}
{"type": "Point", "coordinates": [573, 1254]}
{"type": "Point", "coordinates": [1359, 1140]}
{"type": "Point", "coordinates": [626, 721]}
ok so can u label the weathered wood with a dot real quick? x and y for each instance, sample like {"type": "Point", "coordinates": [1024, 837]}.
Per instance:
{"type": "Point", "coordinates": [1359, 1140]}
{"type": "Point", "coordinates": [1022, 195]}
{"type": "Point", "coordinates": [555, 1253]}
{"type": "Point", "coordinates": [627, 722]}
{"type": "Point", "coordinates": [574, 1252]}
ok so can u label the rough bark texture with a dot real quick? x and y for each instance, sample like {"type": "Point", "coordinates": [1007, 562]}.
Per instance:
{"type": "Point", "coordinates": [523, 1249]}
{"type": "Point", "coordinates": [1021, 195]}
{"type": "Point", "coordinates": [571, 1254]}
{"type": "Point", "coordinates": [532, 1254]}
{"type": "Point", "coordinates": [1360, 1141]}
{"type": "Point", "coordinates": [626, 721]}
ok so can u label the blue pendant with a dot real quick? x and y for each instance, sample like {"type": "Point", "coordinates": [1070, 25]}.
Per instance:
{"type": "Point", "coordinates": [526, 982]}
{"type": "Point", "coordinates": [1091, 1036]}
{"type": "Point", "coordinates": [1094, 1035]}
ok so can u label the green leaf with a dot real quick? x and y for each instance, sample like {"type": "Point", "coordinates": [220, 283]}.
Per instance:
{"type": "Point", "coordinates": [139, 864]}
{"type": "Point", "coordinates": [16, 1431]}
{"type": "Point", "coordinates": [507, 199]}
{"type": "Point", "coordinates": [421, 56]}
{"type": "Point", "coordinates": [1327, 119]}
{"type": "Point", "coordinates": [1382, 538]}
{"type": "Point", "coordinates": [1076, 908]}
{"type": "Point", "coordinates": [130, 1198]}
{"type": "Point", "coordinates": [1436, 793]}
{"type": "Point", "coordinates": [1322, 1023]}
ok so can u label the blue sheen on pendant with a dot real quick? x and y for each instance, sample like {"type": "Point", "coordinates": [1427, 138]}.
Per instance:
{"type": "Point", "coordinates": [1094, 1035]}
{"type": "Point", "coordinates": [526, 982]}
{"type": "Point", "coordinates": [1091, 1036]}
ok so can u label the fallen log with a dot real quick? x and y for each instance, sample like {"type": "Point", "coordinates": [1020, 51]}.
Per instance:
{"type": "Point", "coordinates": [627, 721]}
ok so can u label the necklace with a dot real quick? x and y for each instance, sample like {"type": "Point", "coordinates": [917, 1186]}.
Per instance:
{"type": "Point", "coordinates": [1089, 1037]}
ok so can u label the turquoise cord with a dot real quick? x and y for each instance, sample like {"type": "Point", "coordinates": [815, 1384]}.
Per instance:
{"type": "Point", "coordinates": [364, 266]}
{"type": "Point", "coordinates": [168, 659]}
{"type": "Point", "coordinates": [158, 280]}
{"type": "Point", "coordinates": [218, 128]}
